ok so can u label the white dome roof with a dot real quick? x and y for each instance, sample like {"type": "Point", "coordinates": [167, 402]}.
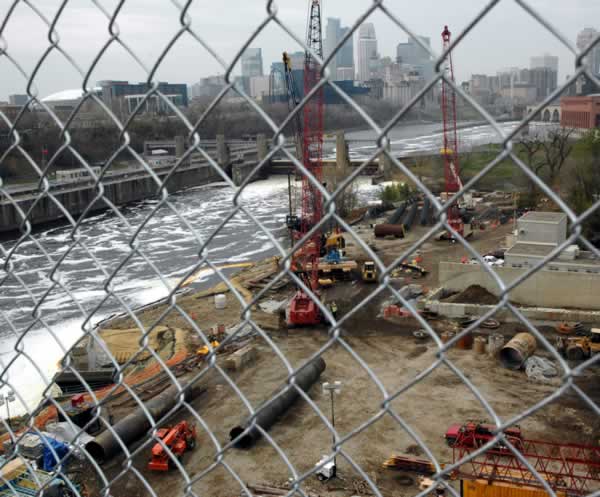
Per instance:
{"type": "Point", "coordinates": [66, 95]}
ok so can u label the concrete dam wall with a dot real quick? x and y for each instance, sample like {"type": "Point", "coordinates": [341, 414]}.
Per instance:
{"type": "Point", "coordinates": [75, 198]}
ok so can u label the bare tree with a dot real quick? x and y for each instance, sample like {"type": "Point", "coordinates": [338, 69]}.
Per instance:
{"type": "Point", "coordinates": [557, 148]}
{"type": "Point", "coordinates": [531, 146]}
{"type": "Point", "coordinates": [548, 152]}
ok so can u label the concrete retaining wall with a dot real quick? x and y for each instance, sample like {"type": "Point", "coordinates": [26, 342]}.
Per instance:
{"type": "Point", "coordinates": [534, 314]}
{"type": "Point", "coordinates": [548, 289]}
{"type": "Point", "coordinates": [76, 201]}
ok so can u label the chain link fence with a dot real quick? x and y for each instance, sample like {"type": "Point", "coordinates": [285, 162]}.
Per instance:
{"type": "Point", "coordinates": [187, 384]}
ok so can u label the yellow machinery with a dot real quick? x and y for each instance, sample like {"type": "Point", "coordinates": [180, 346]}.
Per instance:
{"type": "Point", "coordinates": [369, 272]}
{"type": "Point", "coordinates": [204, 351]}
{"type": "Point", "coordinates": [335, 240]}
{"type": "Point", "coordinates": [579, 348]}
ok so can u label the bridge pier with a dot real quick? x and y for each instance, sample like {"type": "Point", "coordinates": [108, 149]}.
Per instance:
{"type": "Point", "coordinates": [262, 148]}
{"type": "Point", "coordinates": [386, 165]}
{"type": "Point", "coordinates": [223, 157]}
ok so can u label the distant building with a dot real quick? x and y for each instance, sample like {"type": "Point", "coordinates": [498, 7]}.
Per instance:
{"type": "Point", "coordinates": [344, 57]}
{"type": "Point", "coordinates": [18, 99]}
{"type": "Point", "coordinates": [124, 97]}
{"type": "Point", "coordinates": [259, 87]}
{"type": "Point", "coordinates": [10, 111]}
{"type": "Point", "coordinates": [544, 61]}
{"type": "Point", "coordinates": [584, 39]}
{"type": "Point", "coordinates": [581, 112]}
{"type": "Point", "coordinates": [414, 54]}
{"type": "Point", "coordinates": [550, 113]}
{"type": "Point", "coordinates": [345, 74]}
{"type": "Point", "coordinates": [367, 52]}
{"type": "Point", "coordinates": [208, 87]}
{"type": "Point", "coordinates": [520, 94]}
{"type": "Point", "coordinates": [480, 89]}
{"type": "Point", "coordinates": [545, 80]}
{"type": "Point", "coordinates": [332, 37]}
{"type": "Point", "coordinates": [252, 63]}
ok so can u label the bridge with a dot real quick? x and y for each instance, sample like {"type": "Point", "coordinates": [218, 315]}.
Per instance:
{"type": "Point", "coordinates": [235, 158]}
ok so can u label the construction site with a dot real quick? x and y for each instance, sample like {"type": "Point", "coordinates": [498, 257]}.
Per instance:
{"type": "Point", "coordinates": [382, 358]}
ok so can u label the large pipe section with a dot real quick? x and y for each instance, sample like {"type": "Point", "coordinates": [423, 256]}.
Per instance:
{"type": "Point", "coordinates": [514, 354]}
{"type": "Point", "coordinates": [397, 215]}
{"type": "Point", "coordinates": [396, 230]}
{"type": "Point", "coordinates": [135, 425]}
{"type": "Point", "coordinates": [269, 414]}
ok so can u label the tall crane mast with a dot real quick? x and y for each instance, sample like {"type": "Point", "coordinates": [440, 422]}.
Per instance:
{"type": "Point", "coordinates": [312, 149]}
{"type": "Point", "coordinates": [302, 310]}
{"type": "Point", "coordinates": [450, 137]}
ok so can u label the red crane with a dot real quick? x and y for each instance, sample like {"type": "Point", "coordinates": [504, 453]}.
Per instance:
{"type": "Point", "coordinates": [303, 311]}
{"type": "Point", "coordinates": [570, 468]}
{"type": "Point", "coordinates": [450, 138]}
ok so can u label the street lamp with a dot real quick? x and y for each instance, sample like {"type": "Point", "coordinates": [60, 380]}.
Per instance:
{"type": "Point", "coordinates": [333, 388]}
{"type": "Point", "coordinates": [7, 398]}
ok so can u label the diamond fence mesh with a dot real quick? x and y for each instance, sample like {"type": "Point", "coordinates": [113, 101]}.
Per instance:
{"type": "Point", "coordinates": [165, 387]}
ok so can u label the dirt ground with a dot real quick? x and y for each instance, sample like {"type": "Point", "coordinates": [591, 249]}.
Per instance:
{"type": "Point", "coordinates": [429, 407]}
{"type": "Point", "coordinates": [385, 359]}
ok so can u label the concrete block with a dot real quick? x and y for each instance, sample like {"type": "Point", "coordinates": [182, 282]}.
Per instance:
{"type": "Point", "coordinates": [240, 358]}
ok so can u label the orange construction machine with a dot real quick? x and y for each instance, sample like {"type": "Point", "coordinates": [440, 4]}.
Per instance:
{"type": "Point", "coordinates": [178, 439]}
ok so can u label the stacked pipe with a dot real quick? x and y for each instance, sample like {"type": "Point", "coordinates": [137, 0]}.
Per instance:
{"type": "Point", "coordinates": [410, 216]}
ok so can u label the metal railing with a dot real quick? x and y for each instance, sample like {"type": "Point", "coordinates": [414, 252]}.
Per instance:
{"type": "Point", "coordinates": [38, 283]}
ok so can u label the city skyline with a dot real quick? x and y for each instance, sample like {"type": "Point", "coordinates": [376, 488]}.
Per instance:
{"type": "Point", "coordinates": [147, 30]}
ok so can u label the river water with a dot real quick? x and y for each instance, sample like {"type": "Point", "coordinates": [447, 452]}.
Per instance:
{"type": "Point", "coordinates": [169, 249]}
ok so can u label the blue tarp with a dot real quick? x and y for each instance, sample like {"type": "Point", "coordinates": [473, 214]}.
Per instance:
{"type": "Point", "coordinates": [50, 459]}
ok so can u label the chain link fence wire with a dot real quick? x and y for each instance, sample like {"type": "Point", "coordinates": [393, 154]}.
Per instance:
{"type": "Point", "coordinates": [180, 373]}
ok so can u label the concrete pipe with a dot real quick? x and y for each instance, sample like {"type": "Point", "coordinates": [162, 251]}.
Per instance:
{"type": "Point", "coordinates": [396, 230]}
{"type": "Point", "coordinates": [517, 350]}
{"type": "Point", "coordinates": [136, 425]}
{"type": "Point", "coordinates": [269, 414]}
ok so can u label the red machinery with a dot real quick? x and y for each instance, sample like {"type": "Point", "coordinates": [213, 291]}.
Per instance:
{"type": "Point", "coordinates": [178, 439]}
{"type": "Point", "coordinates": [568, 468]}
{"type": "Point", "coordinates": [303, 311]}
{"type": "Point", "coordinates": [450, 137]}
{"type": "Point", "coordinates": [473, 435]}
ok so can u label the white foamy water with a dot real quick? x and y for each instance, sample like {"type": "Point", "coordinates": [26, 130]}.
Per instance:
{"type": "Point", "coordinates": [165, 241]}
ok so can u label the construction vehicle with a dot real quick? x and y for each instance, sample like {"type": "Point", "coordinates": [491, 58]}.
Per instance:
{"type": "Point", "coordinates": [369, 272]}
{"type": "Point", "coordinates": [334, 248]}
{"type": "Point", "coordinates": [473, 435]}
{"type": "Point", "coordinates": [303, 310]}
{"type": "Point", "coordinates": [205, 350]}
{"type": "Point", "coordinates": [579, 348]}
{"type": "Point", "coordinates": [178, 439]}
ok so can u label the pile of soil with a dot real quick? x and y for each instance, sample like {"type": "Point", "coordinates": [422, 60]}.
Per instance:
{"type": "Point", "coordinates": [474, 294]}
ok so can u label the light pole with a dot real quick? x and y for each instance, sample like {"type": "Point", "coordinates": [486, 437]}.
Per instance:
{"type": "Point", "coordinates": [7, 398]}
{"type": "Point", "coordinates": [333, 388]}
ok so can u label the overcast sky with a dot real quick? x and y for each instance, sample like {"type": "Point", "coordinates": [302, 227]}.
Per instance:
{"type": "Point", "coordinates": [508, 36]}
